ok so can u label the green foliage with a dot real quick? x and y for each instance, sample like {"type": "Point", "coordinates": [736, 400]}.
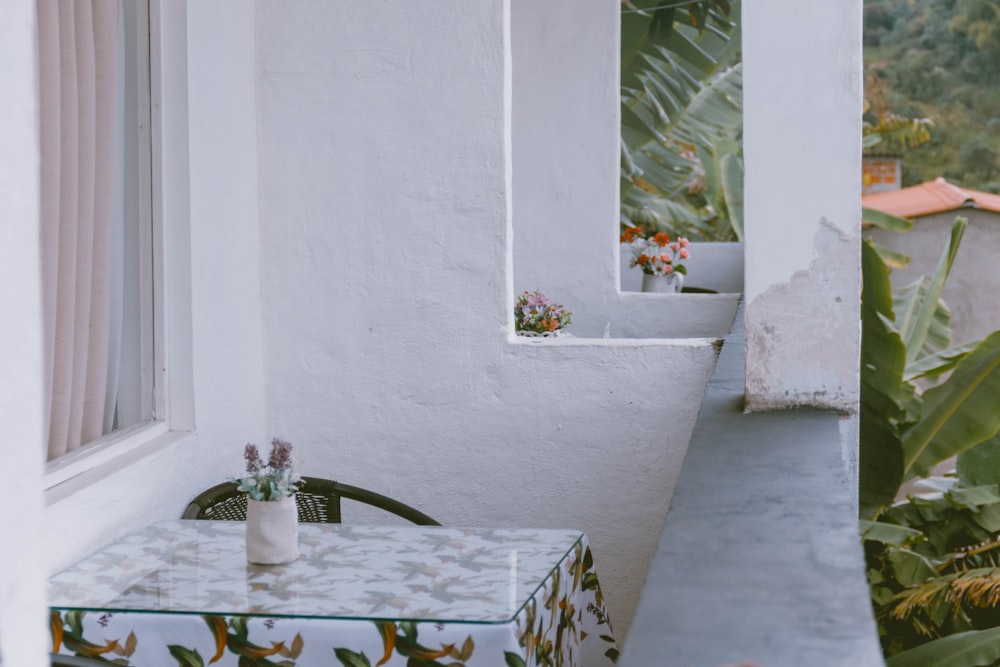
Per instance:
{"type": "Point", "coordinates": [682, 161]}
{"type": "Point", "coordinates": [967, 649]}
{"type": "Point", "coordinates": [931, 558]}
{"type": "Point", "coordinates": [884, 395]}
{"type": "Point", "coordinates": [940, 59]}
{"type": "Point", "coordinates": [892, 258]}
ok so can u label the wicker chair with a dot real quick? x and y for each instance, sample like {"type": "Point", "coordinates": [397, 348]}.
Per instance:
{"type": "Point", "coordinates": [318, 501]}
{"type": "Point", "coordinates": [59, 660]}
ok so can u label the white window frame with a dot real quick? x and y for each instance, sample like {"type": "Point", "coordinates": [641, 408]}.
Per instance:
{"type": "Point", "coordinates": [172, 401]}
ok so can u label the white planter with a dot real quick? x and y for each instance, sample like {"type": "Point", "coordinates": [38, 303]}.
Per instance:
{"type": "Point", "coordinates": [272, 531]}
{"type": "Point", "coordinates": [671, 283]}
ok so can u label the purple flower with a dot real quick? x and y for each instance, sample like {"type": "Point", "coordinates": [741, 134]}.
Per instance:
{"type": "Point", "coordinates": [252, 456]}
{"type": "Point", "coordinates": [275, 480]}
{"type": "Point", "coordinates": [281, 455]}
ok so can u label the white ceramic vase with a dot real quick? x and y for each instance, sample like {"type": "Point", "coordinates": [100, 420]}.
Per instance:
{"type": "Point", "coordinates": [272, 531]}
{"type": "Point", "coordinates": [670, 283]}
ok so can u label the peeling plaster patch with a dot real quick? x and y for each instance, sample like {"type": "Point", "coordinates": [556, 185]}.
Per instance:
{"type": "Point", "coordinates": [803, 337]}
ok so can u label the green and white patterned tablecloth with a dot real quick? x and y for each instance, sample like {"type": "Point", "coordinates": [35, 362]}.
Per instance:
{"type": "Point", "coordinates": [182, 593]}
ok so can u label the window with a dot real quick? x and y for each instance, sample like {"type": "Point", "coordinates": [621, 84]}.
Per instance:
{"type": "Point", "coordinates": [104, 251]}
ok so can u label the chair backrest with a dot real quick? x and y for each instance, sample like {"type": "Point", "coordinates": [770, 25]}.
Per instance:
{"type": "Point", "coordinates": [318, 501]}
{"type": "Point", "coordinates": [59, 660]}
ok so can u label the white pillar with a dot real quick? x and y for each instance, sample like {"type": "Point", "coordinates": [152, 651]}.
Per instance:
{"type": "Point", "coordinates": [802, 142]}
{"type": "Point", "coordinates": [23, 619]}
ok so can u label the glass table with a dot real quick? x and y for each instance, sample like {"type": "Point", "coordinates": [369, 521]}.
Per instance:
{"type": "Point", "coordinates": [182, 593]}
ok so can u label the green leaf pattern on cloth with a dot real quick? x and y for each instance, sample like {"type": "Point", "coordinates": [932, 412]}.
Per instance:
{"type": "Point", "coordinates": [181, 593]}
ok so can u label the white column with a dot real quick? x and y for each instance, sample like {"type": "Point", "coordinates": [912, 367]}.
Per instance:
{"type": "Point", "coordinates": [23, 618]}
{"type": "Point", "coordinates": [802, 138]}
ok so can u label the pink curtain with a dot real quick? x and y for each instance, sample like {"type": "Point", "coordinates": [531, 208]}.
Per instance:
{"type": "Point", "coordinates": [78, 67]}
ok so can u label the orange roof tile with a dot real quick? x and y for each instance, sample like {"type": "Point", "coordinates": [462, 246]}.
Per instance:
{"type": "Point", "coordinates": [934, 196]}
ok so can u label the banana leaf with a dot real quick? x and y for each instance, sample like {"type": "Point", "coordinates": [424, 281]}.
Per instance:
{"type": "Point", "coordinates": [907, 301]}
{"type": "Point", "coordinates": [981, 464]}
{"type": "Point", "coordinates": [959, 413]}
{"type": "Point", "coordinates": [915, 322]}
{"type": "Point", "coordinates": [892, 258]}
{"type": "Point", "coordinates": [976, 648]}
{"type": "Point", "coordinates": [938, 363]}
{"type": "Point", "coordinates": [908, 567]}
{"type": "Point", "coordinates": [890, 534]}
{"type": "Point", "coordinates": [883, 220]}
{"type": "Point", "coordinates": [886, 221]}
{"type": "Point", "coordinates": [883, 392]}
{"type": "Point", "coordinates": [674, 101]}
{"type": "Point", "coordinates": [665, 134]}
{"type": "Point", "coordinates": [732, 191]}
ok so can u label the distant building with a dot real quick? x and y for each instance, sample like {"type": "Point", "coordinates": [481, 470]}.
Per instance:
{"type": "Point", "coordinates": [881, 173]}
{"type": "Point", "coordinates": [973, 288]}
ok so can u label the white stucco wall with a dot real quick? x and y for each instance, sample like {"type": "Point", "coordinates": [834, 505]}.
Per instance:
{"type": "Point", "coordinates": [386, 291]}
{"type": "Point", "coordinates": [802, 133]}
{"type": "Point", "coordinates": [973, 288]}
{"type": "Point", "coordinates": [566, 175]}
{"type": "Point", "coordinates": [23, 641]}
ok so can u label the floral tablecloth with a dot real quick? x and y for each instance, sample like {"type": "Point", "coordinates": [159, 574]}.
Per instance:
{"type": "Point", "coordinates": [181, 593]}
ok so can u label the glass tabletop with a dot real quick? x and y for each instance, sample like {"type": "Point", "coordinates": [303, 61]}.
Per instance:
{"type": "Point", "coordinates": [418, 573]}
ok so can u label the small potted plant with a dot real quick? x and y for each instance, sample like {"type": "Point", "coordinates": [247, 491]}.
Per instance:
{"type": "Point", "coordinates": [536, 316]}
{"type": "Point", "coordinates": [660, 259]}
{"type": "Point", "coordinates": [272, 515]}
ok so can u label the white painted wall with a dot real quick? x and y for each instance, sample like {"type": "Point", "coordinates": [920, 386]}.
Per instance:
{"type": "Point", "coordinates": [386, 292]}
{"type": "Point", "coordinates": [566, 115]}
{"type": "Point", "coordinates": [802, 134]}
{"type": "Point", "coordinates": [23, 641]}
{"type": "Point", "coordinates": [973, 288]}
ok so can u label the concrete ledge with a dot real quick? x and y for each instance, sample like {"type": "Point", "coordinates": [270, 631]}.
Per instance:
{"type": "Point", "coordinates": [760, 560]}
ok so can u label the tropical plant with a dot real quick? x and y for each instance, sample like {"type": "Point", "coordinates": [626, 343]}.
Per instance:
{"type": "Point", "coordinates": [931, 556]}
{"type": "Point", "coordinates": [681, 162]}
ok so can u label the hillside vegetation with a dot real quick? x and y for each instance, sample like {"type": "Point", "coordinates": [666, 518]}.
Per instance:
{"type": "Point", "coordinates": [940, 59]}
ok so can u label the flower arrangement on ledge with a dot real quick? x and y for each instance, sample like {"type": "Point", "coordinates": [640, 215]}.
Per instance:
{"type": "Point", "coordinates": [535, 315]}
{"type": "Point", "coordinates": [656, 255]}
{"type": "Point", "coordinates": [274, 480]}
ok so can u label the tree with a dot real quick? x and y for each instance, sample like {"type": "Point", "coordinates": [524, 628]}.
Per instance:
{"type": "Point", "coordinates": [977, 161]}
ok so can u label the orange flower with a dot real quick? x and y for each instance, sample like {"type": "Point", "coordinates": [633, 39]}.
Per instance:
{"type": "Point", "coordinates": [661, 239]}
{"type": "Point", "coordinates": [642, 259]}
{"type": "Point", "coordinates": [630, 234]}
